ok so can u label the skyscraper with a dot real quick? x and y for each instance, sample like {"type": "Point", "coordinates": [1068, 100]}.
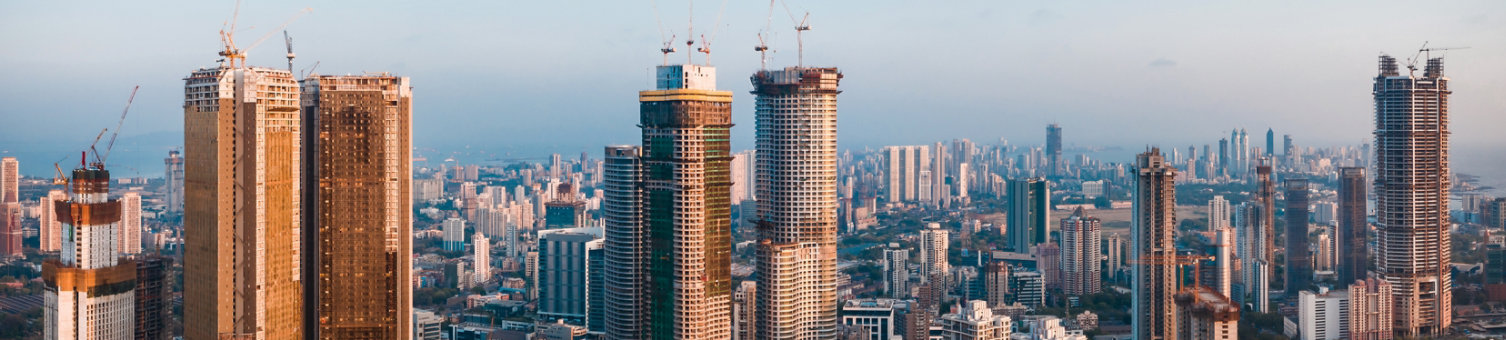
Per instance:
{"type": "Point", "coordinates": [1352, 227]}
{"type": "Point", "coordinates": [1299, 259]}
{"type": "Point", "coordinates": [686, 204]}
{"type": "Point", "coordinates": [242, 204]}
{"type": "Point", "coordinates": [172, 181]}
{"type": "Point", "coordinates": [897, 273]}
{"type": "Point", "coordinates": [797, 202]}
{"type": "Point", "coordinates": [567, 277]}
{"type": "Point", "coordinates": [1370, 303]}
{"type": "Point", "coordinates": [903, 166]}
{"type": "Point", "coordinates": [1270, 143]}
{"type": "Point", "coordinates": [10, 207]}
{"type": "Point", "coordinates": [626, 243]}
{"type": "Point", "coordinates": [1218, 213]}
{"type": "Point", "coordinates": [1154, 230]}
{"type": "Point", "coordinates": [481, 255]}
{"type": "Point", "coordinates": [1412, 192]}
{"type": "Point", "coordinates": [1081, 255]}
{"type": "Point", "coordinates": [1029, 213]}
{"type": "Point", "coordinates": [357, 217]}
{"type": "Point", "coordinates": [130, 224]}
{"type": "Point", "coordinates": [90, 290]}
{"type": "Point", "coordinates": [933, 252]}
{"type": "Point", "coordinates": [1054, 165]}
{"type": "Point", "coordinates": [50, 233]}
{"type": "Point", "coordinates": [154, 298]}
{"type": "Point", "coordinates": [1264, 218]}
{"type": "Point", "coordinates": [453, 238]}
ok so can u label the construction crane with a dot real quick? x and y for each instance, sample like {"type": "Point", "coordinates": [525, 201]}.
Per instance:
{"type": "Point", "coordinates": [668, 48]}
{"type": "Point", "coordinates": [101, 158]}
{"type": "Point", "coordinates": [235, 56]}
{"type": "Point", "coordinates": [1426, 53]}
{"type": "Point", "coordinates": [763, 46]}
{"type": "Point", "coordinates": [289, 40]}
{"type": "Point", "coordinates": [285, 24]}
{"type": "Point", "coordinates": [800, 41]}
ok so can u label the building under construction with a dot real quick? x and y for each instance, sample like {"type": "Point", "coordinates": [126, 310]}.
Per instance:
{"type": "Point", "coordinates": [90, 288]}
{"type": "Point", "coordinates": [1154, 233]}
{"type": "Point", "coordinates": [1206, 314]}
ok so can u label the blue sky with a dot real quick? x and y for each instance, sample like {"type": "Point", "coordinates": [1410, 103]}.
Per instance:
{"type": "Point", "coordinates": [521, 79]}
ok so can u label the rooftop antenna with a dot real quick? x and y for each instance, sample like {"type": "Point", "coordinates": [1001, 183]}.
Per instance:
{"type": "Point", "coordinates": [289, 40]}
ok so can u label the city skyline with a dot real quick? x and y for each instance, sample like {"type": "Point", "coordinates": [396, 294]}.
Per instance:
{"type": "Point", "coordinates": [1067, 42]}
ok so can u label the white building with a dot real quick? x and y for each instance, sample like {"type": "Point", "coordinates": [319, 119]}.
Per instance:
{"type": "Point", "coordinates": [897, 272]}
{"type": "Point", "coordinates": [974, 321]}
{"type": "Point", "coordinates": [90, 292]}
{"type": "Point", "coordinates": [483, 258]}
{"type": "Point", "coordinates": [933, 252]}
{"type": "Point", "coordinates": [426, 325]}
{"type": "Point", "coordinates": [880, 317]}
{"type": "Point", "coordinates": [130, 223]}
{"type": "Point", "coordinates": [1218, 213]}
{"type": "Point", "coordinates": [1048, 328]}
{"type": "Point", "coordinates": [1324, 315]}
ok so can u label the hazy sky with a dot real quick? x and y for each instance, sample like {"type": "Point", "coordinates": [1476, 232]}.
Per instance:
{"type": "Point", "coordinates": [528, 78]}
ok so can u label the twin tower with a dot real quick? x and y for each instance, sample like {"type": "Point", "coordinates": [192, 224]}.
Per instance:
{"type": "Point", "coordinates": [668, 209]}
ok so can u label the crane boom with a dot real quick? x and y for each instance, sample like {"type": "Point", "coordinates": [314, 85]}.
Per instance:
{"type": "Point", "coordinates": [285, 24]}
{"type": "Point", "coordinates": [123, 113]}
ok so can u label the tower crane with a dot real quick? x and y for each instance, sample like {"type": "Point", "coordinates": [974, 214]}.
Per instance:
{"type": "Point", "coordinates": [100, 158]}
{"type": "Point", "coordinates": [289, 40]}
{"type": "Point", "coordinates": [799, 39]}
{"type": "Point", "coordinates": [1426, 53]}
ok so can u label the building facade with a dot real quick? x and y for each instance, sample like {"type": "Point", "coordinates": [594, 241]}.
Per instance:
{"type": "Point", "coordinates": [242, 204]}
{"type": "Point", "coordinates": [1353, 228]}
{"type": "Point", "coordinates": [1299, 257]}
{"type": "Point", "coordinates": [797, 201]}
{"type": "Point", "coordinates": [90, 289]}
{"type": "Point", "coordinates": [1153, 231]}
{"type": "Point", "coordinates": [1370, 304]}
{"type": "Point", "coordinates": [625, 245]}
{"type": "Point", "coordinates": [1029, 213]}
{"type": "Point", "coordinates": [1412, 195]}
{"type": "Point", "coordinates": [1081, 254]}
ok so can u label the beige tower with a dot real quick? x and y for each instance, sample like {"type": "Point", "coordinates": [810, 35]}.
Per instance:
{"type": "Point", "coordinates": [357, 131]}
{"type": "Point", "coordinates": [1412, 196]}
{"type": "Point", "coordinates": [242, 197]}
{"type": "Point", "coordinates": [797, 202]}
{"type": "Point", "coordinates": [1154, 230]}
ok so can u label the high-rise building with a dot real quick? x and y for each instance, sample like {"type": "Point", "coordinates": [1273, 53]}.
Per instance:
{"type": "Point", "coordinates": [996, 277]}
{"type": "Point", "coordinates": [1323, 315]}
{"type": "Point", "coordinates": [481, 254]}
{"type": "Point", "coordinates": [678, 245]}
{"type": "Point", "coordinates": [172, 181]}
{"type": "Point", "coordinates": [744, 311]}
{"type": "Point", "coordinates": [1353, 252]}
{"type": "Point", "coordinates": [1412, 195]}
{"type": "Point", "coordinates": [1205, 314]}
{"type": "Point", "coordinates": [242, 204]}
{"type": "Point", "coordinates": [626, 243]}
{"type": "Point", "coordinates": [154, 298]}
{"type": "Point", "coordinates": [90, 288]}
{"type": "Point", "coordinates": [10, 207]}
{"type": "Point", "coordinates": [50, 233]}
{"type": "Point", "coordinates": [566, 275]}
{"type": "Point", "coordinates": [1114, 256]}
{"type": "Point", "coordinates": [565, 211]}
{"type": "Point", "coordinates": [897, 272]}
{"type": "Point", "coordinates": [1029, 213]}
{"type": "Point", "coordinates": [1270, 143]}
{"type": "Point", "coordinates": [1222, 242]}
{"type": "Point", "coordinates": [933, 252]}
{"type": "Point", "coordinates": [903, 166]}
{"type": "Point", "coordinates": [1081, 254]}
{"type": "Point", "coordinates": [1264, 218]}
{"type": "Point", "coordinates": [1218, 213]}
{"type": "Point", "coordinates": [426, 325]}
{"type": "Point", "coordinates": [975, 321]}
{"type": "Point", "coordinates": [1370, 304]}
{"type": "Point", "coordinates": [130, 224]}
{"type": "Point", "coordinates": [1154, 232]}
{"type": "Point", "coordinates": [797, 201]}
{"type": "Point", "coordinates": [1027, 287]}
{"type": "Point", "coordinates": [1048, 261]}
{"type": "Point", "coordinates": [1054, 165]}
{"type": "Point", "coordinates": [1299, 259]}
{"type": "Point", "coordinates": [357, 216]}
{"type": "Point", "coordinates": [453, 235]}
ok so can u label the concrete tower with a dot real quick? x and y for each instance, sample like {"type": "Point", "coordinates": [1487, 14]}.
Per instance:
{"type": "Point", "coordinates": [358, 216]}
{"type": "Point", "coordinates": [797, 201]}
{"type": "Point", "coordinates": [90, 290]}
{"type": "Point", "coordinates": [1299, 258]}
{"type": "Point", "coordinates": [242, 204]}
{"type": "Point", "coordinates": [1411, 195]}
{"type": "Point", "coordinates": [1154, 230]}
{"type": "Point", "coordinates": [625, 245]}
{"type": "Point", "coordinates": [1352, 227]}
{"type": "Point", "coordinates": [173, 181]}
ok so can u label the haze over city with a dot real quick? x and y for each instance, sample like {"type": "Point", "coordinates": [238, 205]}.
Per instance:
{"type": "Point", "coordinates": [522, 79]}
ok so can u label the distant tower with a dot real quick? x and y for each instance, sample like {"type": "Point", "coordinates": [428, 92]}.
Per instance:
{"type": "Point", "coordinates": [1154, 231]}
{"type": "Point", "coordinates": [10, 207]}
{"type": "Point", "coordinates": [50, 231]}
{"type": "Point", "coordinates": [1299, 264]}
{"type": "Point", "coordinates": [90, 289]}
{"type": "Point", "coordinates": [1218, 213]}
{"type": "Point", "coordinates": [1352, 226]}
{"type": "Point", "coordinates": [797, 201]}
{"type": "Point", "coordinates": [933, 252]}
{"type": "Point", "coordinates": [173, 181]}
{"type": "Point", "coordinates": [1029, 213]}
{"type": "Point", "coordinates": [130, 224]}
{"type": "Point", "coordinates": [1270, 143]}
{"type": "Point", "coordinates": [1412, 195]}
{"type": "Point", "coordinates": [1081, 254]}
{"type": "Point", "coordinates": [1054, 164]}
{"type": "Point", "coordinates": [897, 273]}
